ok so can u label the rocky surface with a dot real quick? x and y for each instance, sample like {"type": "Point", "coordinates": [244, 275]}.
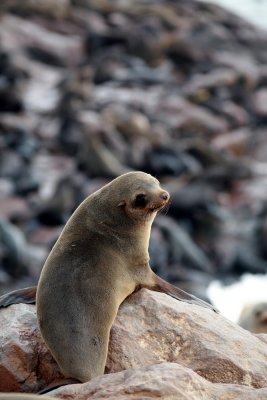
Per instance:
{"type": "Point", "coordinates": [25, 363]}
{"type": "Point", "coordinates": [21, 396]}
{"type": "Point", "coordinates": [168, 381]}
{"type": "Point", "coordinates": [91, 89]}
{"type": "Point", "coordinates": [158, 347]}
{"type": "Point", "coordinates": [161, 329]}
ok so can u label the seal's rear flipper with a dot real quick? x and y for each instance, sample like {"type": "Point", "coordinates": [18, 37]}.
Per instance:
{"type": "Point", "coordinates": [59, 384]}
{"type": "Point", "coordinates": [26, 296]}
{"type": "Point", "coordinates": [179, 294]}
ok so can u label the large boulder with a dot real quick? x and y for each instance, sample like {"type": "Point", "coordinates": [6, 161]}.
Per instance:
{"type": "Point", "coordinates": [168, 381]}
{"type": "Point", "coordinates": [152, 327]}
{"type": "Point", "coordinates": [192, 343]}
{"type": "Point", "coordinates": [26, 365]}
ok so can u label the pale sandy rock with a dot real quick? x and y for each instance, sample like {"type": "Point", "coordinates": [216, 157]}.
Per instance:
{"type": "Point", "coordinates": [11, 205]}
{"type": "Point", "coordinates": [237, 115]}
{"type": "Point", "coordinates": [150, 328]}
{"type": "Point", "coordinates": [25, 363]}
{"type": "Point", "coordinates": [262, 336]}
{"type": "Point", "coordinates": [234, 141]}
{"type": "Point", "coordinates": [21, 396]}
{"type": "Point", "coordinates": [167, 381]}
{"type": "Point", "coordinates": [17, 34]}
{"type": "Point", "coordinates": [49, 8]}
{"type": "Point", "coordinates": [260, 102]}
{"type": "Point", "coordinates": [218, 78]}
{"type": "Point", "coordinates": [197, 120]}
{"type": "Point", "coordinates": [153, 327]}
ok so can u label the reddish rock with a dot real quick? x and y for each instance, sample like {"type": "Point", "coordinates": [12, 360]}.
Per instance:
{"type": "Point", "coordinates": [17, 34]}
{"type": "Point", "coordinates": [168, 381]}
{"type": "Point", "coordinates": [234, 141]}
{"type": "Point", "coordinates": [25, 363]}
{"type": "Point", "coordinates": [150, 328]}
{"type": "Point", "coordinates": [260, 102]}
{"type": "Point", "coordinates": [47, 8]}
{"type": "Point", "coordinates": [153, 327]}
{"type": "Point", "coordinates": [13, 205]}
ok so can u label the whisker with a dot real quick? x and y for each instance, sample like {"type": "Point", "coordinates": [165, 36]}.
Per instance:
{"type": "Point", "coordinates": [165, 209]}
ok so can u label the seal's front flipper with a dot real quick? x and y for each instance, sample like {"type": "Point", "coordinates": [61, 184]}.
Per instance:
{"type": "Point", "coordinates": [179, 294]}
{"type": "Point", "coordinates": [26, 296]}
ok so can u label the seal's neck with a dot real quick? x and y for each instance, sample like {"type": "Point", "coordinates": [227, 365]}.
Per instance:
{"type": "Point", "coordinates": [136, 244]}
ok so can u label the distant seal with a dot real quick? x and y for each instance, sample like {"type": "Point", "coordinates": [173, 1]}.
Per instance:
{"type": "Point", "coordinates": [100, 258]}
{"type": "Point", "coordinates": [254, 318]}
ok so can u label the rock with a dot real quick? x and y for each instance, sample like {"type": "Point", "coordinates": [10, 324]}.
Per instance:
{"type": "Point", "coordinates": [41, 94]}
{"type": "Point", "coordinates": [6, 188]}
{"type": "Point", "coordinates": [198, 121]}
{"type": "Point", "coordinates": [11, 164]}
{"type": "Point", "coordinates": [166, 381]}
{"type": "Point", "coordinates": [130, 124]}
{"type": "Point", "coordinates": [21, 396]}
{"type": "Point", "coordinates": [97, 159]}
{"type": "Point", "coordinates": [60, 9]}
{"type": "Point", "coordinates": [234, 141]}
{"type": "Point", "coordinates": [203, 341]}
{"type": "Point", "coordinates": [45, 235]}
{"type": "Point", "coordinates": [12, 80]}
{"type": "Point", "coordinates": [166, 160]}
{"type": "Point", "coordinates": [190, 197]}
{"type": "Point", "coordinates": [51, 169]}
{"type": "Point", "coordinates": [208, 82]}
{"type": "Point", "coordinates": [236, 115]}
{"type": "Point", "coordinates": [158, 251]}
{"type": "Point", "coordinates": [260, 102]}
{"type": "Point", "coordinates": [13, 205]}
{"type": "Point", "coordinates": [90, 89]}
{"type": "Point", "coordinates": [181, 246]}
{"type": "Point", "coordinates": [18, 33]}
{"type": "Point", "coordinates": [150, 328]}
{"type": "Point", "coordinates": [15, 257]}
{"type": "Point", "coordinates": [25, 363]}
{"type": "Point", "coordinates": [243, 65]}
{"type": "Point", "coordinates": [55, 209]}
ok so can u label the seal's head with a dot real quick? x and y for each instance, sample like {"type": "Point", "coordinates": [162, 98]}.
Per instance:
{"type": "Point", "coordinates": [131, 199]}
{"type": "Point", "coordinates": [140, 196]}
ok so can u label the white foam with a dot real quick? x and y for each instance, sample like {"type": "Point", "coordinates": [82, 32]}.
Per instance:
{"type": "Point", "coordinates": [230, 300]}
{"type": "Point", "coordinates": [253, 11]}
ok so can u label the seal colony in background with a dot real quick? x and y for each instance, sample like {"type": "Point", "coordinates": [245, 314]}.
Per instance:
{"type": "Point", "coordinates": [100, 258]}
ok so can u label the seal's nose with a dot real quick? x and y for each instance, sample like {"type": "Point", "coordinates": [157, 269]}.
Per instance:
{"type": "Point", "coordinates": [165, 196]}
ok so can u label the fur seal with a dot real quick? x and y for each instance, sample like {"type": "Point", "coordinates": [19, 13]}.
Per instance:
{"type": "Point", "coordinates": [254, 318]}
{"type": "Point", "coordinates": [100, 258]}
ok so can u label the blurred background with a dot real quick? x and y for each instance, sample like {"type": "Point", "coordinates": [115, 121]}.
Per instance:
{"type": "Point", "coordinates": [90, 89]}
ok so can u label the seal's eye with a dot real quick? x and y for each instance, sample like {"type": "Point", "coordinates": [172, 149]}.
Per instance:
{"type": "Point", "coordinates": [140, 201]}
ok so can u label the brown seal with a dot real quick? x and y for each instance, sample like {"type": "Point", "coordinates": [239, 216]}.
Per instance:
{"type": "Point", "coordinates": [254, 318]}
{"type": "Point", "coordinates": [100, 258]}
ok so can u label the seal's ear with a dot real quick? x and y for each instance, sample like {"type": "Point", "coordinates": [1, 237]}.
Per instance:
{"type": "Point", "coordinates": [122, 204]}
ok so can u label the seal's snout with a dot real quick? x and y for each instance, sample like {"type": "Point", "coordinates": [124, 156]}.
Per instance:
{"type": "Point", "coordinates": [165, 196]}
